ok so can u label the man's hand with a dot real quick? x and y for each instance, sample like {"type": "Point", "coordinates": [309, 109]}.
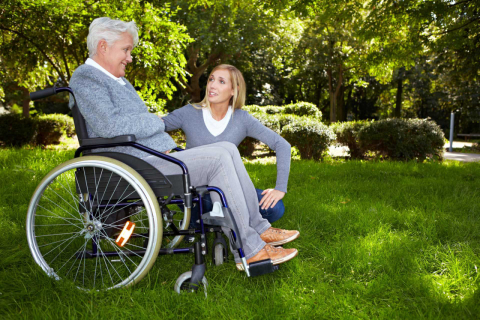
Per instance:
{"type": "Point", "coordinates": [270, 198]}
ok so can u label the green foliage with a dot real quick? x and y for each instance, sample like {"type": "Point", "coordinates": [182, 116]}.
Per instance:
{"type": "Point", "coordinates": [347, 134]}
{"type": "Point", "coordinates": [16, 130]}
{"type": "Point", "coordinates": [299, 123]}
{"type": "Point", "coordinates": [311, 137]}
{"type": "Point", "coordinates": [51, 127]}
{"type": "Point", "coordinates": [44, 41]}
{"type": "Point", "coordinates": [44, 130]}
{"type": "Point", "coordinates": [298, 109]}
{"type": "Point", "coordinates": [403, 139]}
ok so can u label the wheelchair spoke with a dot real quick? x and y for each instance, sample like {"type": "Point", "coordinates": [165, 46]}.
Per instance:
{"type": "Point", "coordinates": [61, 252]}
{"type": "Point", "coordinates": [112, 195]}
{"type": "Point", "coordinates": [74, 209]}
{"type": "Point", "coordinates": [120, 253]}
{"type": "Point", "coordinates": [88, 192]}
{"type": "Point", "coordinates": [106, 265]}
{"type": "Point", "coordinates": [57, 234]}
{"type": "Point", "coordinates": [63, 241]}
{"type": "Point", "coordinates": [119, 201]}
{"type": "Point", "coordinates": [73, 216]}
{"type": "Point", "coordinates": [74, 197]}
{"type": "Point", "coordinates": [106, 187]}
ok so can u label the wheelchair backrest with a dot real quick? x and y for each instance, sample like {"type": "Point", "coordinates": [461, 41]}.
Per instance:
{"type": "Point", "coordinates": [80, 124]}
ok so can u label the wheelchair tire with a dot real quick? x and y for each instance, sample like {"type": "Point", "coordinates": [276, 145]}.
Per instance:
{"type": "Point", "coordinates": [67, 225]}
{"type": "Point", "coordinates": [183, 282]}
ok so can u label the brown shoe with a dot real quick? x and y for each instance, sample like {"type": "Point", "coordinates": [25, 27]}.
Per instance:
{"type": "Point", "coordinates": [276, 254]}
{"type": "Point", "coordinates": [276, 237]}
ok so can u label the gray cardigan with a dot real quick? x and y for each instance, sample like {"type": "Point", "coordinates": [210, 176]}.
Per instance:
{"type": "Point", "coordinates": [111, 109]}
{"type": "Point", "coordinates": [242, 125]}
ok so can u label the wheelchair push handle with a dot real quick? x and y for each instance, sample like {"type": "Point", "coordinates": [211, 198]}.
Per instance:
{"type": "Point", "coordinates": [40, 94]}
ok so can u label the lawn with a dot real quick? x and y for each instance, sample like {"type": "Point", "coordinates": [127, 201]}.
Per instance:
{"type": "Point", "coordinates": [378, 240]}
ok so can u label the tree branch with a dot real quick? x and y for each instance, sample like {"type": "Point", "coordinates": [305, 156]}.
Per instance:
{"type": "Point", "coordinates": [38, 48]}
{"type": "Point", "coordinates": [457, 3]}
{"type": "Point", "coordinates": [460, 27]}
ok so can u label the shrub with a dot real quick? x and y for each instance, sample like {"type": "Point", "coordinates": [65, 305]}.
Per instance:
{"type": "Point", "coordinates": [246, 147]}
{"type": "Point", "coordinates": [311, 137]}
{"type": "Point", "coordinates": [16, 130]}
{"type": "Point", "coordinates": [299, 109]}
{"type": "Point", "coordinates": [51, 127]}
{"type": "Point", "coordinates": [303, 109]}
{"type": "Point", "coordinates": [347, 135]}
{"type": "Point", "coordinates": [403, 139]}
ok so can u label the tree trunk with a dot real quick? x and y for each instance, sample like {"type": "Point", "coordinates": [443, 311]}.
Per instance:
{"type": "Point", "coordinates": [193, 88]}
{"type": "Point", "coordinates": [398, 100]}
{"type": "Point", "coordinates": [334, 94]}
{"type": "Point", "coordinates": [341, 110]}
{"type": "Point", "coordinates": [26, 103]}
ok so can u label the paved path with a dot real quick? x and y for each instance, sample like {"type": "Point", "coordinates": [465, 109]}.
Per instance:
{"type": "Point", "coordinates": [464, 157]}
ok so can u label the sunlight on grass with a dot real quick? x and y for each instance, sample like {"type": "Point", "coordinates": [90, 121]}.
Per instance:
{"type": "Point", "coordinates": [378, 240]}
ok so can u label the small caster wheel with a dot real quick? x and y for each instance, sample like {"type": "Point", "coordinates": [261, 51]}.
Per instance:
{"type": "Point", "coordinates": [183, 283]}
{"type": "Point", "coordinates": [219, 254]}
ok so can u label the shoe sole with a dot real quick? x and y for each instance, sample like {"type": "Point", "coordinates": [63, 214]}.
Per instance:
{"type": "Point", "coordinates": [280, 242]}
{"type": "Point", "coordinates": [275, 262]}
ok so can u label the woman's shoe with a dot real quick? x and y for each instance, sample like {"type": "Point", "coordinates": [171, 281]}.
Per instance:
{"type": "Point", "coordinates": [276, 237]}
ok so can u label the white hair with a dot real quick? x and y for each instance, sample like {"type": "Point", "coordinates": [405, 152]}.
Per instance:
{"type": "Point", "coordinates": [109, 30]}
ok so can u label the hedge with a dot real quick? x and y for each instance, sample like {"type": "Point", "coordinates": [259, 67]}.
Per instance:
{"type": "Point", "coordinates": [347, 135]}
{"type": "Point", "coordinates": [17, 131]}
{"type": "Point", "coordinates": [298, 123]}
{"type": "Point", "coordinates": [299, 109]}
{"type": "Point", "coordinates": [403, 139]}
{"type": "Point", "coordinates": [311, 137]}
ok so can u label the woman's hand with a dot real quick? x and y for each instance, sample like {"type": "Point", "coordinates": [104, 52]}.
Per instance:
{"type": "Point", "coordinates": [270, 198]}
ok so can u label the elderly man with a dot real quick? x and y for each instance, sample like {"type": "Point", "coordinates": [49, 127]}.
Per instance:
{"type": "Point", "coordinates": [111, 107]}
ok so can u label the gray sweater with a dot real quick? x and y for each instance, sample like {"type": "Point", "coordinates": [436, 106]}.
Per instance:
{"type": "Point", "coordinates": [242, 125]}
{"type": "Point", "coordinates": [111, 109]}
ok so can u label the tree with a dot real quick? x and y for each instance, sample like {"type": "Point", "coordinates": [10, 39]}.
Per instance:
{"type": "Point", "coordinates": [42, 42]}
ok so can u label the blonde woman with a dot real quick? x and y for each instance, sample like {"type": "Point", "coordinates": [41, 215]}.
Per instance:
{"type": "Point", "coordinates": [219, 118]}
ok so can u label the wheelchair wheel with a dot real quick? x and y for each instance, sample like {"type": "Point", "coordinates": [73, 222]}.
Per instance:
{"type": "Point", "coordinates": [219, 254]}
{"type": "Point", "coordinates": [183, 283]}
{"type": "Point", "coordinates": [180, 219]}
{"type": "Point", "coordinates": [79, 224]}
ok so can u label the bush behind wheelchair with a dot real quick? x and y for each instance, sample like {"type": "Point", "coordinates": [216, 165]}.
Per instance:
{"type": "Point", "coordinates": [101, 219]}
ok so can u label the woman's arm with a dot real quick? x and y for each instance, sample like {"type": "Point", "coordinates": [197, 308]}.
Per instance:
{"type": "Point", "coordinates": [258, 131]}
{"type": "Point", "coordinates": [174, 120]}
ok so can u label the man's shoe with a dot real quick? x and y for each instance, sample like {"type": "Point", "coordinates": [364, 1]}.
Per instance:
{"type": "Point", "coordinates": [276, 237]}
{"type": "Point", "coordinates": [276, 254]}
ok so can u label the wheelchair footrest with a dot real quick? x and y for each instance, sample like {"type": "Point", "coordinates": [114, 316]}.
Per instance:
{"type": "Point", "coordinates": [261, 267]}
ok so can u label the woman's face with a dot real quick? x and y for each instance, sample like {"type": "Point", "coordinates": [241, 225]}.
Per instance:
{"type": "Point", "coordinates": [118, 55]}
{"type": "Point", "coordinates": [219, 87]}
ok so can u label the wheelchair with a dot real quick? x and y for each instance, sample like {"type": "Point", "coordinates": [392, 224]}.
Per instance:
{"type": "Point", "coordinates": [101, 219]}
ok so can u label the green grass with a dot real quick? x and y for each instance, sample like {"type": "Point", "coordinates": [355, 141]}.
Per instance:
{"type": "Point", "coordinates": [378, 240]}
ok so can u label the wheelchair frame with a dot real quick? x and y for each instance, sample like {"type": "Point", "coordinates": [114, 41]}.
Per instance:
{"type": "Point", "coordinates": [146, 183]}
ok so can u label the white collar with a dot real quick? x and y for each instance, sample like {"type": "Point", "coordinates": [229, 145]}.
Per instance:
{"type": "Point", "coordinates": [216, 127]}
{"type": "Point", "coordinates": [93, 63]}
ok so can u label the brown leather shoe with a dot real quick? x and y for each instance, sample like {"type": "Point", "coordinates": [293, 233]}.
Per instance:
{"type": "Point", "coordinates": [276, 254]}
{"type": "Point", "coordinates": [276, 237]}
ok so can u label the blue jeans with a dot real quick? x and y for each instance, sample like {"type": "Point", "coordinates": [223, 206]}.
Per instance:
{"type": "Point", "coordinates": [271, 214]}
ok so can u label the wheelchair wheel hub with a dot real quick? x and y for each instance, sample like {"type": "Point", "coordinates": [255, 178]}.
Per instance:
{"type": "Point", "coordinates": [92, 228]}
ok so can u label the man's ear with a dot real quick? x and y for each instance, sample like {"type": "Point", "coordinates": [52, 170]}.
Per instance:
{"type": "Point", "coordinates": [102, 47]}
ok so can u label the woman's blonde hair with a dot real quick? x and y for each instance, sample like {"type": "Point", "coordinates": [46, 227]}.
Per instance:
{"type": "Point", "coordinates": [238, 85]}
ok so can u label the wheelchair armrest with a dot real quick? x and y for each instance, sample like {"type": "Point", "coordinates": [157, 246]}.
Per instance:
{"type": "Point", "coordinates": [101, 141]}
